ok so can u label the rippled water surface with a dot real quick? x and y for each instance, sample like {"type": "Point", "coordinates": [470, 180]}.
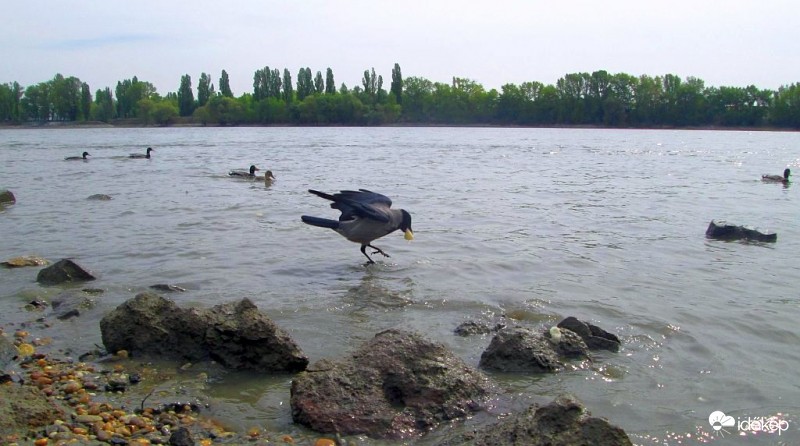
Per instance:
{"type": "Point", "coordinates": [535, 224]}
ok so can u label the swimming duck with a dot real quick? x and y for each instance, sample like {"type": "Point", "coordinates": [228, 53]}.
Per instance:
{"type": "Point", "coordinates": [268, 177]}
{"type": "Point", "coordinates": [777, 178]}
{"type": "Point", "coordinates": [82, 157]}
{"type": "Point", "coordinates": [244, 173]}
{"type": "Point", "coordinates": [139, 155]}
{"type": "Point", "coordinates": [366, 216]}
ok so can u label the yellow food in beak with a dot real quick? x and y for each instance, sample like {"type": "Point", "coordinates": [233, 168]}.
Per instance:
{"type": "Point", "coordinates": [409, 235]}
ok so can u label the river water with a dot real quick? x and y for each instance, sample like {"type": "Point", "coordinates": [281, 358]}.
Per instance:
{"type": "Point", "coordinates": [533, 224]}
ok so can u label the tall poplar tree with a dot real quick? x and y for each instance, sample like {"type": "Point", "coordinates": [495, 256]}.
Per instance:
{"type": "Point", "coordinates": [397, 84]}
{"type": "Point", "coordinates": [305, 83]}
{"type": "Point", "coordinates": [330, 85]}
{"type": "Point", "coordinates": [225, 85]}
{"type": "Point", "coordinates": [205, 89]}
{"type": "Point", "coordinates": [288, 92]}
{"type": "Point", "coordinates": [185, 96]}
{"type": "Point", "coordinates": [86, 101]}
{"type": "Point", "coordinates": [319, 84]}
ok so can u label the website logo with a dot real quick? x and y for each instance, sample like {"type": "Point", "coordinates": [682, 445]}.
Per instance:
{"type": "Point", "coordinates": [719, 421]}
{"type": "Point", "coordinates": [753, 425]}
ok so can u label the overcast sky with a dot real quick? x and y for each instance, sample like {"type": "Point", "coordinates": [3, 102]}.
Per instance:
{"type": "Point", "coordinates": [725, 43]}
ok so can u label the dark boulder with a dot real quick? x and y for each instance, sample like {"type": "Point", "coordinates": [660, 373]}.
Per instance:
{"type": "Point", "coordinates": [64, 270]}
{"type": "Point", "coordinates": [595, 337]}
{"type": "Point", "coordinates": [396, 385]}
{"type": "Point", "coordinates": [237, 335]}
{"type": "Point", "coordinates": [720, 230]}
{"type": "Point", "coordinates": [519, 349]}
{"type": "Point", "coordinates": [7, 197]}
{"type": "Point", "coordinates": [563, 422]}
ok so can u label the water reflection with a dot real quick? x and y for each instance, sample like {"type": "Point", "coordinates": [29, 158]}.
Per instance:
{"type": "Point", "coordinates": [373, 292]}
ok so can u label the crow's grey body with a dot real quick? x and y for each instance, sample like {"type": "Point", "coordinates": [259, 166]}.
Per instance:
{"type": "Point", "coordinates": [366, 216]}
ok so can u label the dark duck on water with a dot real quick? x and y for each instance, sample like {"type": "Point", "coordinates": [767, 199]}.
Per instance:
{"type": "Point", "coordinates": [251, 173]}
{"type": "Point", "coordinates": [777, 178]}
{"type": "Point", "coordinates": [140, 155]}
{"type": "Point", "coordinates": [74, 158]}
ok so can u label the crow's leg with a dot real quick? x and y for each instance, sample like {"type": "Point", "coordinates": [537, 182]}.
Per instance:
{"type": "Point", "coordinates": [364, 251]}
{"type": "Point", "coordinates": [378, 250]}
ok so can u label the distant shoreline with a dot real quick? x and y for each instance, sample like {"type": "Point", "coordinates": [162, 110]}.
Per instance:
{"type": "Point", "coordinates": [128, 124]}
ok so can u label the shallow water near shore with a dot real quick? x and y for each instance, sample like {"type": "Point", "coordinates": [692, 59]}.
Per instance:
{"type": "Point", "coordinates": [533, 224]}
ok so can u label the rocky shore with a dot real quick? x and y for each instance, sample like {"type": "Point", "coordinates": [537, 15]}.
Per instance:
{"type": "Point", "coordinates": [397, 387]}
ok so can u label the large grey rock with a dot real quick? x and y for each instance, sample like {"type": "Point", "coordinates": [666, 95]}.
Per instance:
{"type": "Point", "coordinates": [394, 386]}
{"type": "Point", "coordinates": [595, 337]}
{"type": "Point", "coordinates": [563, 422]}
{"type": "Point", "coordinates": [520, 349]}
{"type": "Point", "coordinates": [237, 334]}
{"type": "Point", "coordinates": [64, 270]}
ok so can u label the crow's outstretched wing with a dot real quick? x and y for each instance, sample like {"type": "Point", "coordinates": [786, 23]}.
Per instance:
{"type": "Point", "coordinates": [361, 203]}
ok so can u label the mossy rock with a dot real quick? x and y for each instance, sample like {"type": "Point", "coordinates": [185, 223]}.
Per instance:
{"type": "Point", "coordinates": [21, 261]}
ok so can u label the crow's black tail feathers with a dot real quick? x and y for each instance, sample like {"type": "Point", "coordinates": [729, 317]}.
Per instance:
{"type": "Point", "coordinates": [321, 222]}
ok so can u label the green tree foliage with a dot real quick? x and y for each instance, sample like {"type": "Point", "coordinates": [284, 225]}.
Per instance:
{"type": "Point", "coordinates": [319, 84]}
{"type": "Point", "coordinates": [305, 84]}
{"type": "Point", "coordinates": [220, 110]}
{"type": "Point", "coordinates": [10, 98]}
{"type": "Point", "coordinates": [598, 99]}
{"type": "Point", "coordinates": [103, 107]}
{"type": "Point", "coordinates": [225, 85]}
{"type": "Point", "coordinates": [260, 81]}
{"type": "Point", "coordinates": [205, 89]}
{"type": "Point", "coordinates": [330, 84]}
{"type": "Point", "coordinates": [418, 100]}
{"type": "Point", "coordinates": [35, 104]}
{"type": "Point", "coordinates": [185, 96]}
{"type": "Point", "coordinates": [786, 107]}
{"type": "Point", "coordinates": [129, 92]}
{"type": "Point", "coordinates": [267, 84]}
{"type": "Point", "coordinates": [163, 113]}
{"type": "Point", "coordinates": [396, 87]}
{"type": "Point", "coordinates": [373, 86]}
{"type": "Point", "coordinates": [86, 102]}
{"type": "Point", "coordinates": [288, 92]}
{"type": "Point", "coordinates": [65, 97]}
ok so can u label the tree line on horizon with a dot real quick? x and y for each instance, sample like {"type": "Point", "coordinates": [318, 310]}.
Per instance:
{"type": "Point", "coordinates": [577, 99]}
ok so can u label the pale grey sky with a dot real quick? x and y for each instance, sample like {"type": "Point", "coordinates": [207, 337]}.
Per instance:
{"type": "Point", "coordinates": [725, 43]}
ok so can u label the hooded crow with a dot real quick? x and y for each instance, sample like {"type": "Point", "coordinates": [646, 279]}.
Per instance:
{"type": "Point", "coordinates": [366, 216]}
